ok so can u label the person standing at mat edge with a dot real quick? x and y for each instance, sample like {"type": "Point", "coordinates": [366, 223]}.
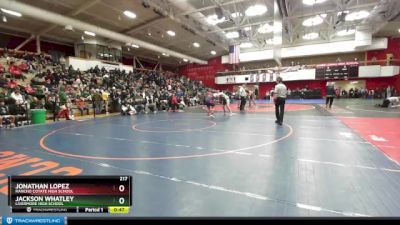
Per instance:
{"type": "Point", "coordinates": [330, 94]}
{"type": "Point", "coordinates": [243, 95]}
{"type": "Point", "coordinates": [280, 94]}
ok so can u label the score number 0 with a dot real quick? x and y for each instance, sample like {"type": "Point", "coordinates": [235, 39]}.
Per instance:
{"type": "Point", "coordinates": [121, 188]}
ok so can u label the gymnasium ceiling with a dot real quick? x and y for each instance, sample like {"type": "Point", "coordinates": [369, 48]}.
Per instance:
{"type": "Point", "coordinates": [188, 19]}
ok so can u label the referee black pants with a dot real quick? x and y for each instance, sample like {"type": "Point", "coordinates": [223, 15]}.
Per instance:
{"type": "Point", "coordinates": [329, 101]}
{"type": "Point", "coordinates": [279, 109]}
{"type": "Point", "coordinates": [242, 103]}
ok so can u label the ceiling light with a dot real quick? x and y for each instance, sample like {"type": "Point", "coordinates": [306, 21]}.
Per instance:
{"type": "Point", "coordinates": [68, 28]}
{"type": "Point", "coordinates": [213, 52]}
{"type": "Point", "coordinates": [90, 33]}
{"type": "Point", "coordinates": [342, 12]}
{"type": "Point", "coordinates": [256, 10]}
{"type": "Point", "coordinates": [246, 45]}
{"type": "Point", "coordinates": [269, 41]}
{"type": "Point", "coordinates": [197, 45]}
{"type": "Point", "coordinates": [236, 15]}
{"type": "Point", "coordinates": [4, 19]}
{"type": "Point", "coordinates": [266, 28]}
{"type": "Point", "coordinates": [399, 30]}
{"type": "Point", "coordinates": [185, 60]}
{"type": "Point", "coordinates": [135, 46]}
{"type": "Point", "coordinates": [233, 34]}
{"type": "Point", "coordinates": [149, 34]}
{"type": "Point", "coordinates": [247, 28]}
{"type": "Point", "coordinates": [171, 33]}
{"type": "Point", "coordinates": [313, 21]}
{"type": "Point", "coordinates": [213, 19]}
{"type": "Point", "coordinates": [346, 32]}
{"type": "Point", "coordinates": [130, 14]}
{"type": "Point", "coordinates": [312, 2]}
{"type": "Point", "coordinates": [310, 36]}
{"type": "Point", "coordinates": [357, 15]}
{"type": "Point", "coordinates": [165, 54]}
{"type": "Point", "coordinates": [11, 12]}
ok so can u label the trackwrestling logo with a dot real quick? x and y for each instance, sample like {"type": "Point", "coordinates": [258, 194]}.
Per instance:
{"type": "Point", "coordinates": [33, 220]}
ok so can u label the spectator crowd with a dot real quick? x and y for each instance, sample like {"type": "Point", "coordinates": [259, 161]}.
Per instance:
{"type": "Point", "coordinates": [65, 91]}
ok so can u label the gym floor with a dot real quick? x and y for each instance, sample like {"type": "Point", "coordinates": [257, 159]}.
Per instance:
{"type": "Point", "coordinates": [336, 163]}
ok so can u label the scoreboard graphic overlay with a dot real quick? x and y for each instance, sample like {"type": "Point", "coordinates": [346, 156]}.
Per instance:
{"type": "Point", "coordinates": [78, 194]}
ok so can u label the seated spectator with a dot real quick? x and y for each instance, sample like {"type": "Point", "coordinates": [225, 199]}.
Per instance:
{"type": "Point", "coordinates": [49, 85]}
{"type": "Point", "coordinates": [82, 105]}
{"type": "Point", "coordinates": [51, 102]}
{"type": "Point", "coordinates": [163, 105]}
{"type": "Point", "coordinates": [40, 92]}
{"type": "Point", "coordinates": [179, 93]}
{"type": "Point", "coordinates": [5, 114]}
{"type": "Point", "coordinates": [38, 80]}
{"type": "Point", "coordinates": [17, 110]}
{"type": "Point", "coordinates": [344, 94]}
{"type": "Point", "coordinates": [28, 57]}
{"type": "Point", "coordinates": [29, 90]}
{"type": "Point", "coordinates": [151, 104]}
{"type": "Point", "coordinates": [193, 101]}
{"type": "Point", "coordinates": [15, 71]}
{"type": "Point", "coordinates": [18, 97]}
{"type": "Point", "coordinates": [3, 81]}
{"type": "Point", "coordinates": [12, 84]}
{"type": "Point", "coordinates": [127, 109]}
{"type": "Point", "coordinates": [23, 67]}
{"type": "Point", "coordinates": [351, 93]}
{"type": "Point", "coordinates": [140, 103]}
{"type": "Point", "coordinates": [181, 104]}
{"type": "Point", "coordinates": [36, 104]}
{"type": "Point", "coordinates": [3, 93]}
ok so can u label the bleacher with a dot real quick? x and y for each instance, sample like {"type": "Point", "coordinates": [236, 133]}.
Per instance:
{"type": "Point", "coordinates": [39, 80]}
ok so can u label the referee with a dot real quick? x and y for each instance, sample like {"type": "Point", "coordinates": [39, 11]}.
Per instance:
{"type": "Point", "coordinates": [243, 95]}
{"type": "Point", "coordinates": [280, 94]}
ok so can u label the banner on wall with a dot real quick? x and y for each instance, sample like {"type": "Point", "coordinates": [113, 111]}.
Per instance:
{"type": "Point", "coordinates": [337, 70]}
{"type": "Point", "coordinates": [258, 77]}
